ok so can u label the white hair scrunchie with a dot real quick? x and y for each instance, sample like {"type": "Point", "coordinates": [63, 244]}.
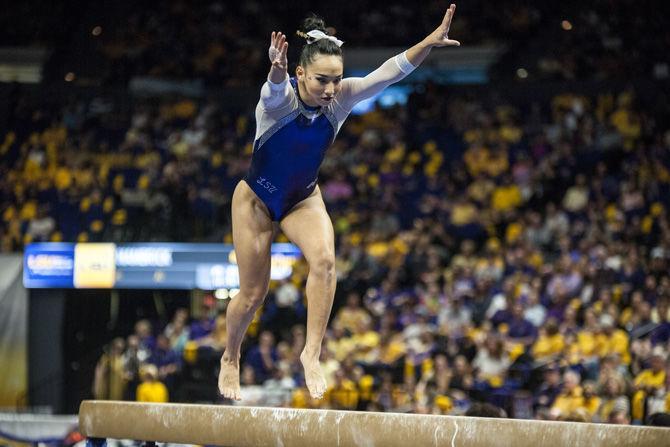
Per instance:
{"type": "Point", "coordinates": [315, 35]}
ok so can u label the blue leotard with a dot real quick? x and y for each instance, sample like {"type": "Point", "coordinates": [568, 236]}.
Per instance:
{"type": "Point", "coordinates": [292, 138]}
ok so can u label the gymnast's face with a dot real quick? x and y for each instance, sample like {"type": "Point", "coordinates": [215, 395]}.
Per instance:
{"type": "Point", "coordinates": [321, 80]}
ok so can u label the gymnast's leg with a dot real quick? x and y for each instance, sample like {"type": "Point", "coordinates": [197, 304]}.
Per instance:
{"type": "Point", "coordinates": [309, 227]}
{"type": "Point", "coordinates": [253, 232]}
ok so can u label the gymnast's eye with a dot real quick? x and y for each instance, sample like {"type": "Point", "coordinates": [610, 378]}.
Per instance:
{"type": "Point", "coordinates": [325, 81]}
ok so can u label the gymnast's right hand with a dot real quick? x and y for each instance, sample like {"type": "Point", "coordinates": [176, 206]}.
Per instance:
{"type": "Point", "coordinates": [277, 51]}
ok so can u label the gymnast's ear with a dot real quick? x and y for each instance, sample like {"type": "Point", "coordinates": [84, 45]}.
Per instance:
{"type": "Point", "coordinates": [300, 73]}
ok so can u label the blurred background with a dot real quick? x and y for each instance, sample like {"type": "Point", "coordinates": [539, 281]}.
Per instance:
{"type": "Point", "coordinates": [501, 215]}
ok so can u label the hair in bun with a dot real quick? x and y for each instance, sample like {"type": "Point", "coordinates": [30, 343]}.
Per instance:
{"type": "Point", "coordinates": [323, 46]}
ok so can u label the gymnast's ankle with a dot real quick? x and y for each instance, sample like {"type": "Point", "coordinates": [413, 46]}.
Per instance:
{"type": "Point", "coordinates": [310, 354]}
{"type": "Point", "coordinates": [230, 360]}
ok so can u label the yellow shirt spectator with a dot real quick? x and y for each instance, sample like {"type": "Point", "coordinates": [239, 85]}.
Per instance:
{"type": "Point", "coordinates": [476, 159]}
{"type": "Point", "coordinates": [592, 401]}
{"type": "Point", "coordinates": [352, 316]}
{"type": "Point", "coordinates": [463, 213]}
{"type": "Point", "coordinates": [513, 232]}
{"type": "Point", "coordinates": [498, 163]}
{"type": "Point", "coordinates": [29, 210]}
{"type": "Point", "coordinates": [506, 197]}
{"type": "Point", "coordinates": [63, 178]}
{"type": "Point", "coordinates": [301, 398]}
{"type": "Point", "coordinates": [84, 178]}
{"type": "Point", "coordinates": [365, 387]}
{"type": "Point", "coordinates": [548, 346]}
{"type": "Point", "coordinates": [185, 109]}
{"type": "Point", "coordinates": [571, 398]}
{"type": "Point", "coordinates": [365, 342]}
{"type": "Point", "coordinates": [568, 402]}
{"type": "Point", "coordinates": [586, 344]}
{"type": "Point", "coordinates": [628, 124]}
{"type": "Point", "coordinates": [591, 405]}
{"type": "Point", "coordinates": [647, 380]}
{"type": "Point", "coordinates": [616, 342]}
{"type": "Point", "coordinates": [152, 391]}
{"type": "Point", "coordinates": [344, 395]}
{"type": "Point", "coordinates": [511, 133]}
{"type": "Point", "coordinates": [341, 347]}
{"type": "Point", "coordinates": [480, 190]}
{"type": "Point", "coordinates": [392, 351]}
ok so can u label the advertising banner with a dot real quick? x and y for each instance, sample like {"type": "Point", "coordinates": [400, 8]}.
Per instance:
{"type": "Point", "coordinates": [142, 265]}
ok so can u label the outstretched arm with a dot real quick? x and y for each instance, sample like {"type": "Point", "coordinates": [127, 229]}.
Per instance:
{"type": "Point", "coordinates": [275, 92]}
{"type": "Point", "coordinates": [393, 70]}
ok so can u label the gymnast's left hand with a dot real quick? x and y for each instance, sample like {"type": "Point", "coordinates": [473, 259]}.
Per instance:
{"type": "Point", "coordinates": [277, 51]}
{"type": "Point", "coordinates": [439, 38]}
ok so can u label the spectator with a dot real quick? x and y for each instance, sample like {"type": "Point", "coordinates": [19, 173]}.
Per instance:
{"type": "Point", "coordinates": [41, 226]}
{"type": "Point", "coordinates": [166, 360]}
{"type": "Point", "coordinates": [571, 397]}
{"type": "Point", "coordinates": [520, 330]}
{"type": "Point", "coordinates": [648, 382]}
{"type": "Point", "coordinates": [145, 338]}
{"type": "Point", "coordinates": [151, 389]}
{"type": "Point", "coordinates": [349, 317]}
{"type": "Point", "coordinates": [549, 388]}
{"type": "Point", "coordinates": [132, 361]}
{"type": "Point", "coordinates": [217, 338]}
{"type": "Point", "coordinates": [177, 330]}
{"type": "Point", "coordinates": [550, 343]}
{"type": "Point", "coordinates": [613, 400]}
{"type": "Point", "coordinates": [343, 395]}
{"type": "Point", "coordinates": [612, 340]}
{"type": "Point", "coordinates": [110, 378]}
{"type": "Point", "coordinates": [203, 326]}
{"type": "Point", "coordinates": [491, 362]}
{"type": "Point", "coordinates": [618, 417]}
{"type": "Point", "coordinates": [592, 402]}
{"type": "Point", "coordinates": [535, 312]}
{"type": "Point", "coordinates": [262, 358]}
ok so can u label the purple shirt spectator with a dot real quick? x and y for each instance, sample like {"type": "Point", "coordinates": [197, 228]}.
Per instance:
{"type": "Point", "coordinates": [201, 328]}
{"type": "Point", "coordinates": [263, 357]}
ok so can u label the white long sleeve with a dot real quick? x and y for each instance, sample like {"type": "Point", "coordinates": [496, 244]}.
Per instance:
{"type": "Point", "coordinates": [275, 96]}
{"type": "Point", "coordinates": [355, 90]}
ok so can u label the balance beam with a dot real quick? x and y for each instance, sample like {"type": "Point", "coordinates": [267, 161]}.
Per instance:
{"type": "Point", "coordinates": [249, 426]}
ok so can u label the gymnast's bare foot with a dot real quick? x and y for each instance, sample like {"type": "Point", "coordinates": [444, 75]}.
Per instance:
{"type": "Point", "coordinates": [316, 383]}
{"type": "Point", "coordinates": [229, 379]}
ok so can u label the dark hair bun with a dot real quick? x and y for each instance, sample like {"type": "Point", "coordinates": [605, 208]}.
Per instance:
{"type": "Point", "coordinates": [316, 47]}
{"type": "Point", "coordinates": [313, 22]}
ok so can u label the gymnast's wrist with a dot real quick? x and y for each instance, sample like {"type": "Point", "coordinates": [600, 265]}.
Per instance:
{"type": "Point", "coordinates": [426, 44]}
{"type": "Point", "coordinates": [272, 81]}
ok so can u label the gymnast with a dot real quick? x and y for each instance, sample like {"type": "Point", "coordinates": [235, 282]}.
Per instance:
{"type": "Point", "coordinates": [296, 121]}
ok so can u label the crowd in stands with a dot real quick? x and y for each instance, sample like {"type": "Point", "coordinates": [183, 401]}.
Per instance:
{"type": "Point", "coordinates": [486, 251]}
{"type": "Point", "coordinates": [77, 175]}
{"type": "Point", "coordinates": [224, 43]}
{"type": "Point", "coordinates": [513, 256]}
